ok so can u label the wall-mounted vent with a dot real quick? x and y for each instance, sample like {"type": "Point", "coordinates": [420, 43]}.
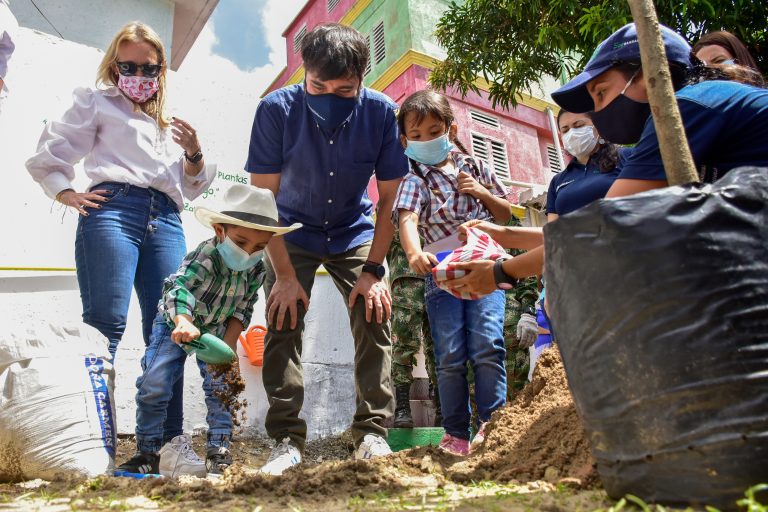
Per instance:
{"type": "Point", "coordinates": [332, 4]}
{"type": "Point", "coordinates": [483, 118]}
{"type": "Point", "coordinates": [554, 159]}
{"type": "Point", "coordinates": [379, 44]}
{"type": "Point", "coordinates": [493, 152]}
{"type": "Point", "coordinates": [298, 38]}
{"type": "Point", "coordinates": [370, 57]}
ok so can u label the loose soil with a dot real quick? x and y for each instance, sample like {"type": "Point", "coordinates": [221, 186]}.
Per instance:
{"type": "Point", "coordinates": [230, 393]}
{"type": "Point", "coordinates": [534, 449]}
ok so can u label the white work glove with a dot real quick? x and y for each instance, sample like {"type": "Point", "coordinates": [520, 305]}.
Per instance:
{"type": "Point", "coordinates": [527, 330]}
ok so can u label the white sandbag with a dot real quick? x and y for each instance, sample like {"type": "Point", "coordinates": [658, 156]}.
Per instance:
{"type": "Point", "coordinates": [57, 403]}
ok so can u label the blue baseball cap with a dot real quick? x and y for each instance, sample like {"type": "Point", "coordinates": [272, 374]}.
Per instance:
{"type": "Point", "coordinates": [621, 46]}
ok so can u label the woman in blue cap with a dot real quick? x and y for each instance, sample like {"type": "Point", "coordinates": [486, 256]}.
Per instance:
{"type": "Point", "coordinates": [726, 123]}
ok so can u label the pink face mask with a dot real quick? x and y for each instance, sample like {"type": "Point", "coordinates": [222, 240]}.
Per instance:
{"type": "Point", "coordinates": [138, 88]}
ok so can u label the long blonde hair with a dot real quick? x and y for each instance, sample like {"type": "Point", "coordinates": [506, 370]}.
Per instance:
{"type": "Point", "coordinates": [137, 32]}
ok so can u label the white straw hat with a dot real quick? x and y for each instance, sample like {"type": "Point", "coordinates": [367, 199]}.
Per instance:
{"type": "Point", "coordinates": [249, 207]}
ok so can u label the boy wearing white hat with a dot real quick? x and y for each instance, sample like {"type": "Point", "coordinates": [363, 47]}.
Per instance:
{"type": "Point", "coordinates": [213, 291]}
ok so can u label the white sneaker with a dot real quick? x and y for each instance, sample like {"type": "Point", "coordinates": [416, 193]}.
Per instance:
{"type": "Point", "coordinates": [372, 446]}
{"type": "Point", "coordinates": [178, 458]}
{"type": "Point", "coordinates": [284, 455]}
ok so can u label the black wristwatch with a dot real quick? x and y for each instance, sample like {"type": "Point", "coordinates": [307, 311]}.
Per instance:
{"type": "Point", "coordinates": [503, 281]}
{"type": "Point", "coordinates": [377, 269]}
{"type": "Point", "coordinates": [194, 158]}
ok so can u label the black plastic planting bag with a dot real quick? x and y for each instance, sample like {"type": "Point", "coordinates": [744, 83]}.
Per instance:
{"type": "Point", "coordinates": [660, 305]}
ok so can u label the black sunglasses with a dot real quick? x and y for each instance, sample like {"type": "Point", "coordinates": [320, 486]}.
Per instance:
{"type": "Point", "coordinates": [128, 68]}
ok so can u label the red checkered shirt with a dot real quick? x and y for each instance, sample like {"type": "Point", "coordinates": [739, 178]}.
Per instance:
{"type": "Point", "coordinates": [434, 196]}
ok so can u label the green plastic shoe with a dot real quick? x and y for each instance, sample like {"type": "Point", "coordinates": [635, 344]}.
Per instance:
{"type": "Point", "coordinates": [210, 349]}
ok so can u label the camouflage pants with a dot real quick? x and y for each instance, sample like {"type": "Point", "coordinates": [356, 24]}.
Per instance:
{"type": "Point", "coordinates": [410, 331]}
{"type": "Point", "coordinates": [517, 360]}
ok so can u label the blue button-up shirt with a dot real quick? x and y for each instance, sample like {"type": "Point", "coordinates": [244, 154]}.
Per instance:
{"type": "Point", "coordinates": [324, 176]}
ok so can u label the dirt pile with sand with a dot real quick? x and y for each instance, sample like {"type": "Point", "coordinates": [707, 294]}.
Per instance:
{"type": "Point", "coordinates": [537, 436]}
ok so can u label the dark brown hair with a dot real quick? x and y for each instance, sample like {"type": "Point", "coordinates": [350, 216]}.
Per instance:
{"type": "Point", "coordinates": [333, 50]}
{"type": "Point", "coordinates": [731, 43]}
{"type": "Point", "coordinates": [428, 102]}
{"type": "Point", "coordinates": [423, 103]}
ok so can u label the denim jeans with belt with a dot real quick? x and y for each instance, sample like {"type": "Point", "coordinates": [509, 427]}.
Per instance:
{"type": "Point", "coordinates": [135, 240]}
{"type": "Point", "coordinates": [163, 365]}
{"type": "Point", "coordinates": [467, 330]}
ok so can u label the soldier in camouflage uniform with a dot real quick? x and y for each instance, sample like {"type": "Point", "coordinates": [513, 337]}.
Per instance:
{"type": "Point", "coordinates": [410, 329]}
{"type": "Point", "coordinates": [521, 299]}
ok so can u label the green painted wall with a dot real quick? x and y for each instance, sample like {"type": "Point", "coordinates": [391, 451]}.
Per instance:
{"type": "Point", "coordinates": [397, 31]}
{"type": "Point", "coordinates": [424, 15]}
{"type": "Point", "coordinates": [408, 24]}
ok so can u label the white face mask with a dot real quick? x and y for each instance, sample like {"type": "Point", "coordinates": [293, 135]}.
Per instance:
{"type": "Point", "coordinates": [581, 141]}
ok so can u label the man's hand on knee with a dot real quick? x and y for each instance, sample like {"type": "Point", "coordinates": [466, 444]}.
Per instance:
{"type": "Point", "coordinates": [375, 294]}
{"type": "Point", "coordinates": [284, 298]}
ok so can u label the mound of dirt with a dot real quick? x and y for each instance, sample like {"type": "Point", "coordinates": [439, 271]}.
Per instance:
{"type": "Point", "coordinates": [537, 436]}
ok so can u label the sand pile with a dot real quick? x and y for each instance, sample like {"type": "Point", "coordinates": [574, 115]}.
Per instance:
{"type": "Point", "coordinates": [537, 436]}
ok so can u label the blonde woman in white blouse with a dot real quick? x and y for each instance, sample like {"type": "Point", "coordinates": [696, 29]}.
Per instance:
{"type": "Point", "coordinates": [129, 233]}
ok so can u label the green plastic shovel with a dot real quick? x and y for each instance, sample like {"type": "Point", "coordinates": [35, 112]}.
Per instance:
{"type": "Point", "coordinates": [210, 349]}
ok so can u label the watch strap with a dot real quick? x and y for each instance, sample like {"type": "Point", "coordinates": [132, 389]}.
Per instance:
{"type": "Point", "coordinates": [377, 269]}
{"type": "Point", "coordinates": [194, 158]}
{"type": "Point", "coordinates": [503, 281]}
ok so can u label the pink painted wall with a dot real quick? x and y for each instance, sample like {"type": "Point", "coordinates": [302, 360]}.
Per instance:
{"type": "Point", "coordinates": [524, 130]}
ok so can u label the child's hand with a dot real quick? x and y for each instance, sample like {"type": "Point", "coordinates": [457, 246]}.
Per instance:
{"type": "Point", "coordinates": [422, 262]}
{"type": "Point", "coordinates": [185, 330]}
{"type": "Point", "coordinates": [469, 185]}
{"type": "Point", "coordinates": [492, 229]}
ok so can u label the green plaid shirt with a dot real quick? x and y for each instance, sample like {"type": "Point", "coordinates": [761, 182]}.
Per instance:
{"type": "Point", "coordinates": [207, 290]}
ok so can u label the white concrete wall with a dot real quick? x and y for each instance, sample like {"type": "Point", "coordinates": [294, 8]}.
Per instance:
{"type": "Point", "coordinates": [94, 22]}
{"type": "Point", "coordinates": [38, 234]}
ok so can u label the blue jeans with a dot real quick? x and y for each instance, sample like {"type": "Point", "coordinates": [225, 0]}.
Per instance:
{"type": "Point", "coordinates": [467, 330]}
{"type": "Point", "coordinates": [163, 365]}
{"type": "Point", "coordinates": [135, 240]}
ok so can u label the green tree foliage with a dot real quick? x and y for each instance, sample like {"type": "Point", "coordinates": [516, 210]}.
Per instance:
{"type": "Point", "coordinates": [513, 43]}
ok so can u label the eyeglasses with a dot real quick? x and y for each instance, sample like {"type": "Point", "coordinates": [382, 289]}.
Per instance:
{"type": "Point", "coordinates": [127, 68]}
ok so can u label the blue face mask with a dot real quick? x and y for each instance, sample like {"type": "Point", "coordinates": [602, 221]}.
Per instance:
{"type": "Point", "coordinates": [431, 152]}
{"type": "Point", "coordinates": [330, 110]}
{"type": "Point", "coordinates": [236, 258]}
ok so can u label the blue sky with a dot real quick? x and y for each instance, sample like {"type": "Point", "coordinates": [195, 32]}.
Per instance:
{"type": "Point", "coordinates": [240, 32]}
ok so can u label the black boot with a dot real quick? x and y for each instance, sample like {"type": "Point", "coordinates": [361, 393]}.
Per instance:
{"type": "Point", "coordinates": [438, 412]}
{"type": "Point", "coordinates": [403, 418]}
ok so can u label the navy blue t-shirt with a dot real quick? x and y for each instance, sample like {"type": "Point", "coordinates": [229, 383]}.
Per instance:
{"type": "Point", "coordinates": [579, 184]}
{"type": "Point", "coordinates": [324, 176]}
{"type": "Point", "coordinates": [726, 124]}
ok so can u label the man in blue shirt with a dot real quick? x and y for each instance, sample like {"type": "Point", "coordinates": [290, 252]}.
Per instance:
{"type": "Point", "coordinates": [316, 146]}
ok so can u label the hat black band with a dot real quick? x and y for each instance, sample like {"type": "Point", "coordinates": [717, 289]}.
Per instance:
{"type": "Point", "coordinates": [253, 218]}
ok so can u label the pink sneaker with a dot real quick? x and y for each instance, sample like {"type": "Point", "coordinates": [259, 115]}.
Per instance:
{"type": "Point", "coordinates": [454, 445]}
{"type": "Point", "coordinates": [477, 441]}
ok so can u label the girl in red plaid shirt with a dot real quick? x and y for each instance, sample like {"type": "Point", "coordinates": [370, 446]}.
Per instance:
{"type": "Point", "coordinates": [445, 188]}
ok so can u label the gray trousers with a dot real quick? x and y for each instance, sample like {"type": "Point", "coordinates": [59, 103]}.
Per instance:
{"type": "Point", "coordinates": [282, 372]}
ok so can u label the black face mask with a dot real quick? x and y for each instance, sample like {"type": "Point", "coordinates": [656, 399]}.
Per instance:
{"type": "Point", "coordinates": [622, 120]}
